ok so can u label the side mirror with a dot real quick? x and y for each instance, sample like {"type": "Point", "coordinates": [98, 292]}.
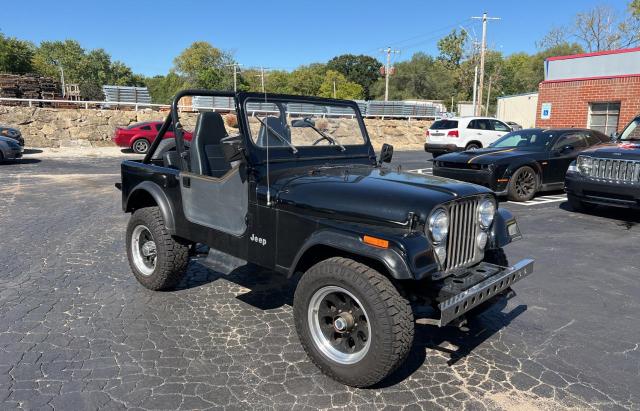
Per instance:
{"type": "Point", "coordinates": [305, 122]}
{"type": "Point", "coordinates": [386, 153]}
{"type": "Point", "coordinates": [232, 148]}
{"type": "Point", "coordinates": [567, 149]}
{"type": "Point", "coordinates": [615, 136]}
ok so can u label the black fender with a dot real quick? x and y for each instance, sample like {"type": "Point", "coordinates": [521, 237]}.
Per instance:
{"type": "Point", "coordinates": [351, 243]}
{"type": "Point", "coordinates": [160, 198]}
{"type": "Point", "coordinates": [500, 235]}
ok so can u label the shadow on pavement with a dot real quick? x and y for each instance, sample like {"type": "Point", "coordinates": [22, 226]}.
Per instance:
{"type": "Point", "coordinates": [33, 151]}
{"type": "Point", "coordinates": [627, 218]}
{"type": "Point", "coordinates": [20, 161]}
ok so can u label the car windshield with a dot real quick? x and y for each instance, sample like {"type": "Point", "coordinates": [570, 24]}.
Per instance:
{"type": "Point", "coordinates": [632, 131]}
{"type": "Point", "coordinates": [295, 123]}
{"type": "Point", "coordinates": [525, 139]}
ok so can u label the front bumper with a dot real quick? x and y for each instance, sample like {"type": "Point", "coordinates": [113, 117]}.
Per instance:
{"type": "Point", "coordinates": [438, 149]}
{"type": "Point", "coordinates": [602, 192]}
{"type": "Point", "coordinates": [494, 280]}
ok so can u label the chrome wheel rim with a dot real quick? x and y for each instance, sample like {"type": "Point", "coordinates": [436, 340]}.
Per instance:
{"type": "Point", "coordinates": [339, 325]}
{"type": "Point", "coordinates": [143, 249]}
{"type": "Point", "coordinates": [140, 146]}
{"type": "Point", "coordinates": [525, 183]}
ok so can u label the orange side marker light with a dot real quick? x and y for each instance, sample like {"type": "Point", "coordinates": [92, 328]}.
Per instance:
{"type": "Point", "coordinates": [376, 242]}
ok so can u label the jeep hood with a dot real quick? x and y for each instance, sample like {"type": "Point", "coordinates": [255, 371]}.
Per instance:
{"type": "Point", "coordinates": [628, 150]}
{"type": "Point", "coordinates": [368, 194]}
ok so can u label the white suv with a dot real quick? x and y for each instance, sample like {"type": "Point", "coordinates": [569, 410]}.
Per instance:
{"type": "Point", "coordinates": [463, 133]}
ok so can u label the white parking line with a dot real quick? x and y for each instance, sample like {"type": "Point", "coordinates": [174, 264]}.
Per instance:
{"type": "Point", "coordinates": [422, 171]}
{"type": "Point", "coordinates": [541, 200]}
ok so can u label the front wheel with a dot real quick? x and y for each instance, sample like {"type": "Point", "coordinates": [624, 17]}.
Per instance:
{"type": "Point", "coordinates": [523, 184]}
{"type": "Point", "coordinates": [157, 259]}
{"type": "Point", "coordinates": [352, 322]}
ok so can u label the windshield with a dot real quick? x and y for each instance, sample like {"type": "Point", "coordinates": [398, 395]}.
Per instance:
{"type": "Point", "coordinates": [525, 139]}
{"type": "Point", "coordinates": [294, 124]}
{"type": "Point", "coordinates": [444, 125]}
{"type": "Point", "coordinates": [632, 131]}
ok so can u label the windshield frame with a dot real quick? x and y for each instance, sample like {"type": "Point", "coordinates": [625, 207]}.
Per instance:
{"type": "Point", "coordinates": [284, 153]}
{"type": "Point", "coordinates": [636, 121]}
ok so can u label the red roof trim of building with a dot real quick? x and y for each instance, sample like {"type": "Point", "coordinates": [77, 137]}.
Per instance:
{"type": "Point", "coordinates": [590, 78]}
{"type": "Point", "coordinates": [596, 53]}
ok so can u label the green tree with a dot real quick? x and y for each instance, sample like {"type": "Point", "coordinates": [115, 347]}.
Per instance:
{"type": "Point", "coordinates": [451, 47]}
{"type": "Point", "coordinates": [344, 89]}
{"type": "Point", "coordinates": [306, 80]}
{"type": "Point", "coordinates": [15, 55]}
{"type": "Point", "coordinates": [203, 65]}
{"type": "Point", "coordinates": [163, 88]}
{"type": "Point", "coordinates": [363, 70]}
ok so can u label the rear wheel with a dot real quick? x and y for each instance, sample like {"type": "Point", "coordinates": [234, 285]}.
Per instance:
{"type": "Point", "coordinates": [473, 146]}
{"type": "Point", "coordinates": [157, 259]}
{"type": "Point", "coordinates": [523, 184]}
{"type": "Point", "coordinates": [352, 322]}
{"type": "Point", "coordinates": [140, 146]}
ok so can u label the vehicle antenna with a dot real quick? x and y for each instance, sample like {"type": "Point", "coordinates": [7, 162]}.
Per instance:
{"type": "Point", "coordinates": [267, 131]}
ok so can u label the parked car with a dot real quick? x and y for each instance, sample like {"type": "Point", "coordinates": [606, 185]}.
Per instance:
{"type": "Point", "coordinates": [521, 163]}
{"type": "Point", "coordinates": [304, 194]}
{"type": "Point", "coordinates": [463, 133]}
{"type": "Point", "coordinates": [139, 136]}
{"type": "Point", "coordinates": [514, 126]}
{"type": "Point", "coordinates": [607, 175]}
{"type": "Point", "coordinates": [10, 149]}
{"type": "Point", "coordinates": [12, 133]}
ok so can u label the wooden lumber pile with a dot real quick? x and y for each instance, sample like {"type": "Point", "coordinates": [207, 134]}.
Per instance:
{"type": "Point", "coordinates": [9, 87]}
{"type": "Point", "coordinates": [31, 86]}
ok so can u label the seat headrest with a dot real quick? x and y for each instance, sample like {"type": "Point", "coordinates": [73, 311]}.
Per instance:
{"type": "Point", "coordinates": [209, 128]}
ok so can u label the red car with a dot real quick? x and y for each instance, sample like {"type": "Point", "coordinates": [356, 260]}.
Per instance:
{"type": "Point", "coordinates": [139, 136]}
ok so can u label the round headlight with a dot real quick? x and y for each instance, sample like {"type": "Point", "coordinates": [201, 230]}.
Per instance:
{"type": "Point", "coordinates": [439, 225]}
{"type": "Point", "coordinates": [486, 212]}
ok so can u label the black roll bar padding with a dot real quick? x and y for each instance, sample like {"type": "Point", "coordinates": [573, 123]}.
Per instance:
{"type": "Point", "coordinates": [156, 142]}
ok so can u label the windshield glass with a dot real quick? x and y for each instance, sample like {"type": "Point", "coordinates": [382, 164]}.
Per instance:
{"type": "Point", "coordinates": [525, 139]}
{"type": "Point", "coordinates": [632, 132]}
{"type": "Point", "coordinates": [294, 124]}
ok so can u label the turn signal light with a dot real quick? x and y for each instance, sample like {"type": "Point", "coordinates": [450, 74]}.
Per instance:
{"type": "Point", "coordinates": [376, 242]}
{"type": "Point", "coordinates": [453, 133]}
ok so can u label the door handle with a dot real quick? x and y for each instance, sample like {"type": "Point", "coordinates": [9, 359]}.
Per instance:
{"type": "Point", "coordinates": [186, 182]}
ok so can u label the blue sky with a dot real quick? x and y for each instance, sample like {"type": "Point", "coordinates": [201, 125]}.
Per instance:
{"type": "Point", "coordinates": [281, 34]}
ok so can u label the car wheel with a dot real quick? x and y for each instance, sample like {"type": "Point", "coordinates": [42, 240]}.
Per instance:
{"type": "Point", "coordinates": [352, 322]}
{"type": "Point", "coordinates": [523, 184]}
{"type": "Point", "coordinates": [157, 259]}
{"type": "Point", "coordinates": [578, 205]}
{"type": "Point", "coordinates": [140, 146]}
{"type": "Point", "coordinates": [472, 146]}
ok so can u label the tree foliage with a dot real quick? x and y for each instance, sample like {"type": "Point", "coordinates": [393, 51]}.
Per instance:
{"type": "Point", "coordinates": [362, 70]}
{"type": "Point", "coordinates": [15, 55]}
{"type": "Point", "coordinates": [344, 89]}
{"type": "Point", "coordinates": [451, 47]}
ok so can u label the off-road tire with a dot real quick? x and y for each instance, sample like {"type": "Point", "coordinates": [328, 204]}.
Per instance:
{"type": "Point", "coordinates": [139, 150]}
{"type": "Point", "coordinates": [472, 146]}
{"type": "Point", "coordinates": [390, 318]}
{"type": "Point", "coordinates": [578, 205]}
{"type": "Point", "coordinates": [513, 192]}
{"type": "Point", "coordinates": [172, 255]}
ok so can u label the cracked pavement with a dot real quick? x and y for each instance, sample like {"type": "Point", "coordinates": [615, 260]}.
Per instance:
{"type": "Point", "coordinates": [78, 332]}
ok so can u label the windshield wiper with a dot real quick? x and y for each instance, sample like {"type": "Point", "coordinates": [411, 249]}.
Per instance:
{"type": "Point", "coordinates": [275, 133]}
{"type": "Point", "coordinates": [328, 138]}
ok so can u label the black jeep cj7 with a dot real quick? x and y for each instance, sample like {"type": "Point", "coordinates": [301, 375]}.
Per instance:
{"type": "Point", "coordinates": [297, 189]}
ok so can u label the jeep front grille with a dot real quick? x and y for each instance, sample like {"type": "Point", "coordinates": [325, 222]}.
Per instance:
{"type": "Point", "coordinates": [463, 228]}
{"type": "Point", "coordinates": [627, 171]}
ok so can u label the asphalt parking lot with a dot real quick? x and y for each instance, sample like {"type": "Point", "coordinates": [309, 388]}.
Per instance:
{"type": "Point", "coordinates": [78, 332]}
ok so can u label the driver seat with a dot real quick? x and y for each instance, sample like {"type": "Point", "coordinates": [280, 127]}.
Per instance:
{"type": "Point", "coordinates": [206, 154]}
{"type": "Point", "coordinates": [266, 135]}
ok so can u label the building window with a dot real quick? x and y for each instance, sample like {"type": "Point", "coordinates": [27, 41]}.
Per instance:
{"type": "Point", "coordinates": [603, 117]}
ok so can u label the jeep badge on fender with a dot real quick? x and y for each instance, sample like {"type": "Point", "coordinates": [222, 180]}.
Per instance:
{"type": "Point", "coordinates": [366, 239]}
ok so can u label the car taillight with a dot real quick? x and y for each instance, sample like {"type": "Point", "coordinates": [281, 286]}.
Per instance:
{"type": "Point", "coordinates": [427, 133]}
{"type": "Point", "coordinates": [453, 133]}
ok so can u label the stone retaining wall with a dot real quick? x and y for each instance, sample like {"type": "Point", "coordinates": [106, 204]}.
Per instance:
{"type": "Point", "coordinates": [49, 127]}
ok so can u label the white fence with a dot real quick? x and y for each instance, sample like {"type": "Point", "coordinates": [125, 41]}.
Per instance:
{"type": "Point", "coordinates": [375, 109]}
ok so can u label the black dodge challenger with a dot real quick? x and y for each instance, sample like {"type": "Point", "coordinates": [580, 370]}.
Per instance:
{"type": "Point", "coordinates": [522, 162]}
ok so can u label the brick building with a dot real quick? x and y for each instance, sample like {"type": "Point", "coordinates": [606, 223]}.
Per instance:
{"type": "Point", "coordinates": [595, 90]}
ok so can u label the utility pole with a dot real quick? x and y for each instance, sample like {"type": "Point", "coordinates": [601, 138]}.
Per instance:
{"type": "Point", "coordinates": [262, 78]}
{"type": "Point", "coordinates": [486, 109]}
{"type": "Point", "coordinates": [57, 63]}
{"type": "Point", "coordinates": [235, 75]}
{"type": "Point", "coordinates": [387, 69]}
{"type": "Point", "coordinates": [334, 88]}
{"type": "Point", "coordinates": [475, 90]}
{"type": "Point", "coordinates": [484, 19]}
